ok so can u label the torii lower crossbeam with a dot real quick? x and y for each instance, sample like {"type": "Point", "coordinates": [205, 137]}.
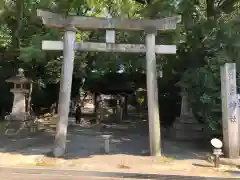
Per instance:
{"type": "Point", "coordinates": [107, 47]}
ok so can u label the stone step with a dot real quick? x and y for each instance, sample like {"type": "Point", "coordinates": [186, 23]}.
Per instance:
{"type": "Point", "coordinates": [186, 119]}
{"type": "Point", "coordinates": [188, 127]}
{"type": "Point", "coordinates": [187, 135]}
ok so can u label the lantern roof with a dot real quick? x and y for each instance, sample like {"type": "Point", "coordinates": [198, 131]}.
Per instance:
{"type": "Point", "coordinates": [19, 78]}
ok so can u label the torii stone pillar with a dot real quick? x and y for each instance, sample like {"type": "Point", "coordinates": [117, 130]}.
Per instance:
{"type": "Point", "coordinates": [153, 110]}
{"type": "Point", "coordinates": [65, 91]}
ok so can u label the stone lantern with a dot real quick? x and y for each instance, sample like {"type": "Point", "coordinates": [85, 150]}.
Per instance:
{"type": "Point", "coordinates": [19, 90]}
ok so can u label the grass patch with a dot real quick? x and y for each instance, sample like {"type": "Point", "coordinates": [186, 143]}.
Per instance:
{"type": "Point", "coordinates": [46, 164]}
{"type": "Point", "coordinates": [164, 159]}
{"type": "Point", "coordinates": [123, 166]}
{"type": "Point", "coordinates": [39, 164]}
{"type": "Point", "coordinates": [48, 161]}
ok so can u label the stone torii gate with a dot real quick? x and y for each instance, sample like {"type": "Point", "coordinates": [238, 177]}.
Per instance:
{"type": "Point", "coordinates": [69, 23]}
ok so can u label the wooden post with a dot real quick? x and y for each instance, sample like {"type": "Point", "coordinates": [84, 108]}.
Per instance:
{"type": "Point", "coordinates": [101, 110]}
{"type": "Point", "coordinates": [125, 106]}
{"type": "Point", "coordinates": [230, 115]}
{"type": "Point", "coordinates": [153, 111]}
{"type": "Point", "coordinates": [30, 99]}
{"type": "Point", "coordinates": [65, 92]}
{"type": "Point", "coordinates": [119, 111]}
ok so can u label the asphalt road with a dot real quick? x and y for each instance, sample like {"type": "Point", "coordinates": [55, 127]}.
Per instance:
{"type": "Point", "coordinates": [52, 174]}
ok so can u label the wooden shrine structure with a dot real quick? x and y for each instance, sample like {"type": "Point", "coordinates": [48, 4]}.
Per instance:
{"type": "Point", "coordinates": [69, 45]}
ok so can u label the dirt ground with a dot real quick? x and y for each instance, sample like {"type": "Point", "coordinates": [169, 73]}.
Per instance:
{"type": "Point", "coordinates": [128, 151]}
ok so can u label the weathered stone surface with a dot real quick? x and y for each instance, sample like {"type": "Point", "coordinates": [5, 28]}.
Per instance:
{"type": "Point", "coordinates": [187, 119]}
{"type": "Point", "coordinates": [18, 102]}
{"type": "Point", "coordinates": [187, 135]}
{"type": "Point", "coordinates": [188, 127]}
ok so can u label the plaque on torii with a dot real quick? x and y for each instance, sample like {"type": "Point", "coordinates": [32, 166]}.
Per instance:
{"type": "Point", "coordinates": [68, 46]}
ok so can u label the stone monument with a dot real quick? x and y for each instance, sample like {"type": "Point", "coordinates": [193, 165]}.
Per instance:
{"type": "Point", "coordinates": [19, 91]}
{"type": "Point", "coordinates": [19, 118]}
{"type": "Point", "coordinates": [186, 127]}
{"type": "Point", "coordinates": [230, 111]}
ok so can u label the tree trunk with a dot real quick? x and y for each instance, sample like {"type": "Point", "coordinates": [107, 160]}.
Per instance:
{"type": "Point", "coordinates": [95, 103]}
{"type": "Point", "coordinates": [210, 9]}
{"type": "Point", "coordinates": [16, 27]}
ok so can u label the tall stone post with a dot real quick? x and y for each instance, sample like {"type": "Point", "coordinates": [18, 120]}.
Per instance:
{"type": "Point", "coordinates": [152, 92]}
{"type": "Point", "coordinates": [65, 91]}
{"type": "Point", "coordinates": [119, 111]}
{"type": "Point", "coordinates": [230, 114]}
{"type": "Point", "coordinates": [185, 110]}
{"type": "Point", "coordinates": [186, 126]}
{"type": "Point", "coordinates": [238, 101]}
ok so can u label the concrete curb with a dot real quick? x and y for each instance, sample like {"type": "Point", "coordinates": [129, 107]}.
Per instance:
{"type": "Point", "coordinates": [107, 174]}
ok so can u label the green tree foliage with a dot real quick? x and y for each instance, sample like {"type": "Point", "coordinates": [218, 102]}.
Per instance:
{"type": "Point", "coordinates": [22, 32]}
{"type": "Point", "coordinates": [207, 38]}
{"type": "Point", "coordinates": [211, 41]}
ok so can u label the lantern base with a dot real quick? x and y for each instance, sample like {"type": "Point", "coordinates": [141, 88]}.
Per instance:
{"type": "Point", "coordinates": [18, 117]}
{"type": "Point", "coordinates": [20, 123]}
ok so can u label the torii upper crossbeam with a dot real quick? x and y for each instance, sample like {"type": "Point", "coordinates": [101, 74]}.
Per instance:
{"type": "Point", "coordinates": [57, 20]}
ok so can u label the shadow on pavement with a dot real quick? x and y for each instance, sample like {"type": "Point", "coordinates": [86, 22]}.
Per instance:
{"type": "Point", "coordinates": [202, 165]}
{"type": "Point", "coordinates": [85, 142]}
